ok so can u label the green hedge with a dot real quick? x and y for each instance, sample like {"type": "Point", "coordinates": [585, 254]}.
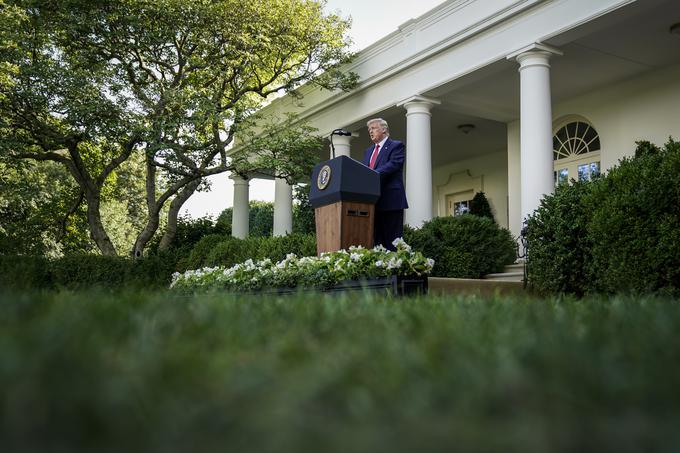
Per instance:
{"type": "Point", "coordinates": [86, 271]}
{"type": "Point", "coordinates": [227, 250]}
{"type": "Point", "coordinates": [466, 246]}
{"type": "Point", "coordinates": [619, 233]}
{"type": "Point", "coordinates": [558, 241]}
{"type": "Point", "coordinates": [150, 272]}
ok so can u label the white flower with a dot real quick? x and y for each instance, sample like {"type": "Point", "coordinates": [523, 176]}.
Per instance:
{"type": "Point", "coordinates": [400, 244]}
{"type": "Point", "coordinates": [354, 257]}
{"type": "Point", "coordinates": [379, 248]}
{"type": "Point", "coordinates": [394, 263]}
{"type": "Point", "coordinates": [379, 263]}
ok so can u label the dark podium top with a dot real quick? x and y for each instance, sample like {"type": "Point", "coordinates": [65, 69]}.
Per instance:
{"type": "Point", "coordinates": [343, 179]}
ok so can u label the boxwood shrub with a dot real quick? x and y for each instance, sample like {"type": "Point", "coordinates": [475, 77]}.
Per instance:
{"type": "Point", "coordinates": [617, 234]}
{"type": "Point", "coordinates": [635, 224]}
{"type": "Point", "coordinates": [227, 250]}
{"type": "Point", "coordinates": [87, 271]}
{"type": "Point", "coordinates": [559, 246]}
{"type": "Point", "coordinates": [466, 246]}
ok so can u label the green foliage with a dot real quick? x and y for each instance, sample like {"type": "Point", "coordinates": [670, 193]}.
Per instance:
{"type": "Point", "coordinates": [217, 250]}
{"type": "Point", "coordinates": [144, 372]}
{"type": "Point", "coordinates": [89, 85]}
{"type": "Point", "coordinates": [619, 233]}
{"type": "Point", "coordinates": [35, 211]}
{"type": "Point", "coordinates": [635, 225]}
{"type": "Point", "coordinates": [321, 272]}
{"type": "Point", "coordinates": [465, 246]}
{"type": "Point", "coordinates": [25, 272]}
{"type": "Point", "coordinates": [202, 249]}
{"type": "Point", "coordinates": [87, 271]}
{"type": "Point", "coordinates": [303, 212]}
{"type": "Point", "coordinates": [190, 231]}
{"type": "Point", "coordinates": [559, 246]}
{"type": "Point", "coordinates": [479, 206]}
{"type": "Point", "coordinates": [286, 149]}
{"type": "Point", "coordinates": [260, 218]}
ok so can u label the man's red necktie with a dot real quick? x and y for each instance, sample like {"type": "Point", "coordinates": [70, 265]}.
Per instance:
{"type": "Point", "coordinates": [374, 156]}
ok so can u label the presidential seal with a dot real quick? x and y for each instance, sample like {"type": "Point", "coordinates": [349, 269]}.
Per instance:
{"type": "Point", "coordinates": [324, 177]}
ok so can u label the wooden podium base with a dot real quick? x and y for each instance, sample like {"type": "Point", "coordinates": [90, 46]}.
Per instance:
{"type": "Point", "coordinates": [342, 224]}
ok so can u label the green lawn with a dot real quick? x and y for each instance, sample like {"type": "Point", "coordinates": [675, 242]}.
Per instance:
{"type": "Point", "coordinates": [159, 373]}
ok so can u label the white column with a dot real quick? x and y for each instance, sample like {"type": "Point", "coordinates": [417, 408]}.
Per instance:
{"type": "Point", "coordinates": [342, 145]}
{"type": "Point", "coordinates": [536, 160]}
{"type": "Point", "coordinates": [283, 207]}
{"type": "Point", "coordinates": [418, 160]}
{"type": "Point", "coordinates": [241, 209]}
{"type": "Point", "coordinates": [514, 180]}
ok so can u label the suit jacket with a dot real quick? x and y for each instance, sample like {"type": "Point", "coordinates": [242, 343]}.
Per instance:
{"type": "Point", "coordinates": [390, 165]}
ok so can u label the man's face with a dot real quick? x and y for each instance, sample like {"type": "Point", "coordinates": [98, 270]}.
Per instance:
{"type": "Point", "coordinates": [376, 132]}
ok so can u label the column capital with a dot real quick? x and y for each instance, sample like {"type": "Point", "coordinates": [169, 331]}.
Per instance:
{"type": "Point", "coordinates": [238, 179]}
{"type": "Point", "coordinates": [344, 138]}
{"type": "Point", "coordinates": [534, 54]}
{"type": "Point", "coordinates": [419, 103]}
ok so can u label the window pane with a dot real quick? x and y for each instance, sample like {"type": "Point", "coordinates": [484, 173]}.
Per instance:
{"type": "Point", "coordinates": [461, 207]}
{"type": "Point", "coordinates": [595, 145]}
{"type": "Point", "coordinates": [571, 129]}
{"type": "Point", "coordinates": [583, 173]}
{"type": "Point", "coordinates": [594, 169]}
{"type": "Point", "coordinates": [562, 134]}
{"type": "Point", "coordinates": [562, 176]}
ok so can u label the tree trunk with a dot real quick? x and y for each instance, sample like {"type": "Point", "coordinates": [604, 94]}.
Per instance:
{"type": "Point", "coordinates": [153, 209]}
{"type": "Point", "coordinates": [146, 234]}
{"type": "Point", "coordinates": [97, 231]}
{"type": "Point", "coordinates": [175, 206]}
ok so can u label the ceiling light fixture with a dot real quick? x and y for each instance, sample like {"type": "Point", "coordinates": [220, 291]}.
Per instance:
{"type": "Point", "coordinates": [466, 128]}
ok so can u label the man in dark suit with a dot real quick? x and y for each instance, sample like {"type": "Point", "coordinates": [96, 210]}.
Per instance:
{"type": "Point", "coordinates": [386, 156]}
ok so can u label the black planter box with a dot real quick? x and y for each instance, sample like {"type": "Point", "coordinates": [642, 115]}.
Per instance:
{"type": "Point", "coordinates": [394, 285]}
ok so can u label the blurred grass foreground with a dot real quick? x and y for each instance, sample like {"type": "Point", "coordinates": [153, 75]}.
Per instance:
{"type": "Point", "coordinates": [160, 373]}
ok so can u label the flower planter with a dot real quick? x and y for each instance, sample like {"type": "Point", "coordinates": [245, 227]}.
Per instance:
{"type": "Point", "coordinates": [394, 285]}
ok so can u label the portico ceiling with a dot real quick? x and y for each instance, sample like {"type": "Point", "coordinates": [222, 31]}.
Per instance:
{"type": "Point", "coordinates": [619, 45]}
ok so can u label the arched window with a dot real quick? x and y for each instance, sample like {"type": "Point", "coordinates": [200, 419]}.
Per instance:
{"type": "Point", "coordinates": [576, 152]}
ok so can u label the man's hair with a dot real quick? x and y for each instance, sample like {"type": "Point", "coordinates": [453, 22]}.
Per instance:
{"type": "Point", "coordinates": [382, 123]}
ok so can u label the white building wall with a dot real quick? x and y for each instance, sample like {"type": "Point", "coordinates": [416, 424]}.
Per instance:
{"type": "Point", "coordinates": [492, 168]}
{"type": "Point", "coordinates": [643, 108]}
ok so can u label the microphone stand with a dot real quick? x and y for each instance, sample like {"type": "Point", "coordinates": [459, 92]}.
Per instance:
{"type": "Point", "coordinates": [332, 147]}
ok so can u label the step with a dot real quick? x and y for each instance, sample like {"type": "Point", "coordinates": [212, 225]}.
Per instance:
{"type": "Point", "coordinates": [506, 276]}
{"type": "Point", "coordinates": [441, 285]}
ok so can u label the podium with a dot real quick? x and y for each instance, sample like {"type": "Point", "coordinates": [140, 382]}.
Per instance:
{"type": "Point", "coordinates": [343, 194]}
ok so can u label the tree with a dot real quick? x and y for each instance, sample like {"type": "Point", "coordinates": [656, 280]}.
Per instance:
{"type": "Point", "coordinates": [260, 219]}
{"type": "Point", "coordinates": [303, 212]}
{"type": "Point", "coordinates": [479, 206]}
{"type": "Point", "coordinates": [93, 82]}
